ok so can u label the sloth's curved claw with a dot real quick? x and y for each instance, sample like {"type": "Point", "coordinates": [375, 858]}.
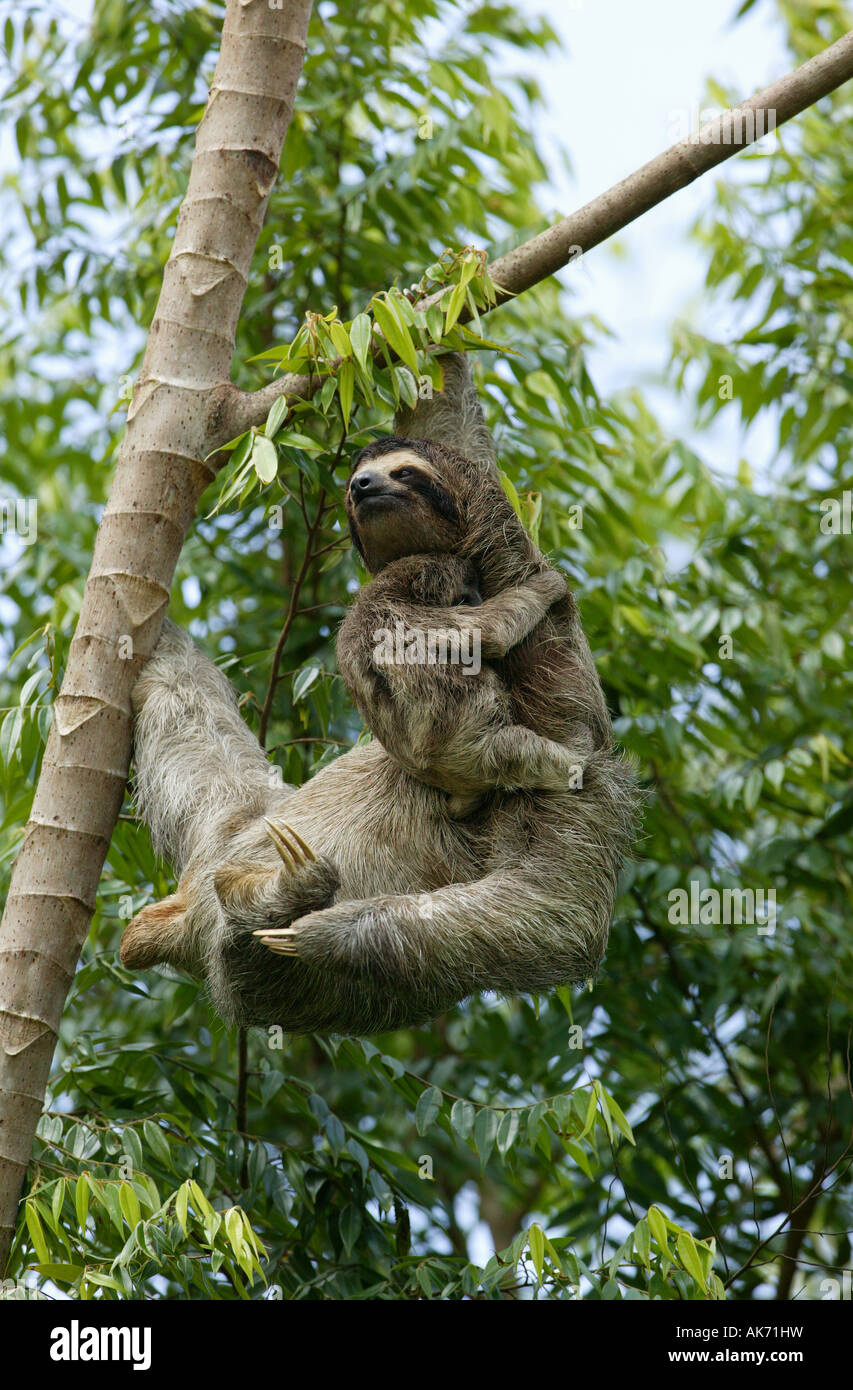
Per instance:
{"type": "Point", "coordinates": [291, 847]}
{"type": "Point", "coordinates": [282, 940]}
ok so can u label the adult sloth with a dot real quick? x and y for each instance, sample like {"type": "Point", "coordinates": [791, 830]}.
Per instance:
{"type": "Point", "coordinates": [398, 909]}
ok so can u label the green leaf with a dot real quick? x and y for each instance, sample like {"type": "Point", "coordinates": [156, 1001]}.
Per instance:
{"type": "Point", "coordinates": [304, 679]}
{"type": "Point", "coordinates": [462, 1116]}
{"type": "Point", "coordinates": [295, 440]}
{"type": "Point", "coordinates": [157, 1143]}
{"type": "Point", "coordinates": [181, 1205]}
{"type": "Point", "coordinates": [689, 1257]}
{"type": "Point", "coordinates": [507, 1131]}
{"type": "Point", "coordinates": [61, 1273]}
{"type": "Point", "coordinates": [642, 1242]}
{"type": "Point", "coordinates": [133, 1147]}
{"type": "Point", "coordinates": [509, 488]}
{"type": "Point", "coordinates": [36, 1231]}
{"type": "Point", "coordinates": [264, 459]}
{"type": "Point", "coordinates": [277, 413]}
{"type": "Point", "coordinates": [428, 1106]}
{"type": "Point", "coordinates": [199, 1200]}
{"type": "Point", "coordinates": [536, 1246]}
{"type": "Point", "coordinates": [535, 1116]}
{"type": "Point", "coordinates": [455, 305]}
{"type": "Point", "coordinates": [10, 734]}
{"type": "Point", "coordinates": [591, 1111]}
{"type": "Point", "coordinates": [327, 394]}
{"type": "Point", "coordinates": [581, 1159]}
{"type": "Point", "coordinates": [257, 1163]}
{"type": "Point", "coordinates": [406, 386]}
{"type": "Point", "coordinates": [336, 1135]}
{"type": "Point", "coordinates": [485, 1133]}
{"type": "Point", "coordinates": [614, 1110]}
{"type": "Point", "coordinates": [395, 333]}
{"type": "Point", "coordinates": [357, 1151]}
{"type": "Point", "coordinates": [350, 1228]}
{"type": "Point", "coordinates": [435, 323]}
{"type": "Point", "coordinates": [234, 1232]}
{"type": "Point", "coordinates": [30, 685]}
{"type": "Point", "coordinates": [657, 1226]}
{"type": "Point", "coordinates": [361, 330]}
{"type": "Point", "coordinates": [346, 388]}
{"type": "Point", "coordinates": [112, 1203]}
{"type": "Point", "coordinates": [104, 1281]}
{"type": "Point", "coordinates": [129, 1204]}
{"type": "Point", "coordinates": [340, 338]}
{"type": "Point", "coordinates": [57, 1200]}
{"type": "Point", "coordinates": [752, 789]}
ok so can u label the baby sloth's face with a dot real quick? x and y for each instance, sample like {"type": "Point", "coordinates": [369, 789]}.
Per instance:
{"type": "Point", "coordinates": [441, 581]}
{"type": "Point", "coordinates": [398, 504]}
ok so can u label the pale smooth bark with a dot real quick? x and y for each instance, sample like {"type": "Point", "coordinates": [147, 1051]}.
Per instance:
{"type": "Point", "coordinates": [159, 479]}
{"type": "Point", "coordinates": [610, 212]}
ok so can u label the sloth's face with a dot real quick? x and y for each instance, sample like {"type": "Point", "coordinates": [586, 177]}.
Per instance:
{"type": "Point", "coordinates": [399, 504]}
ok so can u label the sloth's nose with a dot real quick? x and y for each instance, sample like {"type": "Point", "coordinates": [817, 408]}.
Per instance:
{"type": "Point", "coordinates": [366, 484]}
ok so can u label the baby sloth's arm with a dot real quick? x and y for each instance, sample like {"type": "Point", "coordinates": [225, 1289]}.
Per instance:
{"type": "Point", "coordinates": [503, 621]}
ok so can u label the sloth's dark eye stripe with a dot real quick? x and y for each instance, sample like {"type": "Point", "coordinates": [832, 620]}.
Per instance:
{"type": "Point", "coordinates": [438, 497]}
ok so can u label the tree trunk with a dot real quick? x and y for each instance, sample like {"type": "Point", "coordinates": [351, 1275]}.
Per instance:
{"type": "Point", "coordinates": [159, 478]}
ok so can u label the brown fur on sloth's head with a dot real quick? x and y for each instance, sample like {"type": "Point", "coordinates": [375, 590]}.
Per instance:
{"type": "Point", "coordinates": [414, 496]}
{"type": "Point", "coordinates": [403, 499]}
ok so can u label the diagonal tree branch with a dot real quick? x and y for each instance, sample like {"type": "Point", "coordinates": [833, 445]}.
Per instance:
{"type": "Point", "coordinates": [677, 167]}
{"type": "Point", "coordinates": [610, 212]}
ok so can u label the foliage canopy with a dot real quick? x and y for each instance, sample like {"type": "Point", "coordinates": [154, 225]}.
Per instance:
{"type": "Point", "coordinates": [693, 1111]}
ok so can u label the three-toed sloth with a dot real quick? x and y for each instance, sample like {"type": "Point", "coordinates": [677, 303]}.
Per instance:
{"type": "Point", "coordinates": [389, 887]}
{"type": "Point", "coordinates": [416, 672]}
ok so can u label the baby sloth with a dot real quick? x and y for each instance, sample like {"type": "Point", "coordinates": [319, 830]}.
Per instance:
{"type": "Point", "coordinates": [421, 684]}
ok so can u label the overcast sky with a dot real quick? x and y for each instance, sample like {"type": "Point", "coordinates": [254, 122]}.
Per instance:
{"type": "Point", "coordinates": [629, 73]}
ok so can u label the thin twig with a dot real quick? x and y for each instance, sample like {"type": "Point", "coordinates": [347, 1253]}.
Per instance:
{"type": "Point", "coordinates": [309, 557]}
{"type": "Point", "coordinates": [243, 1100]}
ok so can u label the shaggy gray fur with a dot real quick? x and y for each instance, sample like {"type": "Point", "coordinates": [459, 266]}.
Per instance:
{"type": "Point", "coordinates": [404, 910]}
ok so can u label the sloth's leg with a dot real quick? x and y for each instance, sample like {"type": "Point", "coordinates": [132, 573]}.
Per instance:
{"type": "Point", "coordinates": [159, 935]}
{"type": "Point", "coordinates": [405, 959]}
{"type": "Point", "coordinates": [256, 896]}
{"type": "Point", "coordinates": [194, 759]}
{"type": "Point", "coordinates": [193, 754]}
{"type": "Point", "coordinates": [539, 919]}
{"type": "Point", "coordinates": [174, 931]}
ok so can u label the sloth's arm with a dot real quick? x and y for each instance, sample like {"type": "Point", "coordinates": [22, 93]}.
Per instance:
{"type": "Point", "coordinates": [503, 621]}
{"type": "Point", "coordinates": [193, 753]}
{"type": "Point", "coordinates": [202, 782]}
{"type": "Point", "coordinates": [400, 960]}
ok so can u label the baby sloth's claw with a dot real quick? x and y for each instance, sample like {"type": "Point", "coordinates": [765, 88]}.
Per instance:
{"type": "Point", "coordinates": [292, 849]}
{"type": "Point", "coordinates": [282, 940]}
